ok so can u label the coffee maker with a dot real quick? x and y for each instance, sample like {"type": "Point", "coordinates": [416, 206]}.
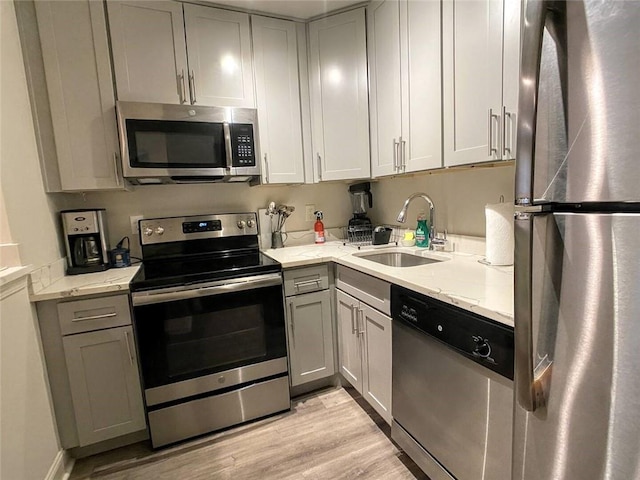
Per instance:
{"type": "Point", "coordinates": [86, 240]}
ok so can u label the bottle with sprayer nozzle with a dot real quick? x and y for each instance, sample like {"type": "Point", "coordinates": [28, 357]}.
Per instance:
{"type": "Point", "coordinates": [318, 228]}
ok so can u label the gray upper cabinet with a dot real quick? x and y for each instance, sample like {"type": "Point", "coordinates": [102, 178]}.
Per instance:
{"type": "Point", "coordinates": [480, 59]}
{"type": "Point", "coordinates": [149, 51]}
{"type": "Point", "coordinates": [405, 86]}
{"type": "Point", "coordinates": [339, 96]}
{"type": "Point", "coordinates": [75, 54]}
{"type": "Point", "coordinates": [167, 52]}
{"type": "Point", "coordinates": [275, 53]}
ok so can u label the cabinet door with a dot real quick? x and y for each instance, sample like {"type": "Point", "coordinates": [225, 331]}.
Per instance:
{"type": "Point", "coordinates": [219, 52]}
{"type": "Point", "coordinates": [383, 21]}
{"type": "Point", "coordinates": [275, 56]}
{"type": "Point", "coordinates": [75, 52]}
{"type": "Point", "coordinates": [310, 337]}
{"type": "Point", "coordinates": [349, 351]}
{"type": "Point", "coordinates": [376, 369]}
{"type": "Point", "coordinates": [472, 87]}
{"type": "Point", "coordinates": [338, 90]}
{"type": "Point", "coordinates": [510, 77]}
{"type": "Point", "coordinates": [149, 52]}
{"type": "Point", "coordinates": [421, 85]}
{"type": "Point", "coordinates": [105, 386]}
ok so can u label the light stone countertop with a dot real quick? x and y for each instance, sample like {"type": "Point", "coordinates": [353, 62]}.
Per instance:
{"type": "Point", "coordinates": [109, 281]}
{"type": "Point", "coordinates": [459, 280]}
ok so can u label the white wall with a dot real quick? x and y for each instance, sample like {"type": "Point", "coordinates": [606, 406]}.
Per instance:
{"type": "Point", "coordinates": [29, 440]}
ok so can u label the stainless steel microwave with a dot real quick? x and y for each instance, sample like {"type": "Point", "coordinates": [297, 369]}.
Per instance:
{"type": "Point", "coordinates": [162, 143]}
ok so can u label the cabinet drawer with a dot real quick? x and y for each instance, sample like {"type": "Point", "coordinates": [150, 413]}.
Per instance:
{"type": "Point", "coordinates": [305, 280]}
{"type": "Point", "coordinates": [94, 314]}
{"type": "Point", "coordinates": [370, 290]}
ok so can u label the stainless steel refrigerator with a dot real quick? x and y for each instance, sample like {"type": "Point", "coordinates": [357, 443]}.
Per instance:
{"type": "Point", "coordinates": [577, 232]}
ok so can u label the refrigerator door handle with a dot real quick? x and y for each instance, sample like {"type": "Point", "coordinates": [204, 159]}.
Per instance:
{"type": "Point", "coordinates": [531, 381]}
{"type": "Point", "coordinates": [534, 17]}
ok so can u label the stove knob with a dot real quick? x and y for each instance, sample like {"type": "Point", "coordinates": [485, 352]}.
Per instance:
{"type": "Point", "coordinates": [148, 231]}
{"type": "Point", "coordinates": [251, 223]}
{"type": "Point", "coordinates": [159, 230]}
{"type": "Point", "coordinates": [241, 224]}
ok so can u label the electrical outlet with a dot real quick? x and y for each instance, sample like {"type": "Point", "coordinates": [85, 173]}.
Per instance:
{"type": "Point", "coordinates": [133, 219]}
{"type": "Point", "coordinates": [309, 214]}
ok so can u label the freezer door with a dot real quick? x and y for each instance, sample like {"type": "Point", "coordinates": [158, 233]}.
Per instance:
{"type": "Point", "coordinates": [579, 103]}
{"type": "Point", "coordinates": [585, 307]}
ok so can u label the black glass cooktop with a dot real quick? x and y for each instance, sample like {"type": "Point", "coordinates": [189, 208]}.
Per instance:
{"type": "Point", "coordinates": [202, 268]}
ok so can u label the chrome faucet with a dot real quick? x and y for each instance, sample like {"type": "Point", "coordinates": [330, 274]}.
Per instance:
{"type": "Point", "coordinates": [402, 217]}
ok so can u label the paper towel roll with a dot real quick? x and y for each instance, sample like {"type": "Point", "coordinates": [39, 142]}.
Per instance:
{"type": "Point", "coordinates": [499, 217]}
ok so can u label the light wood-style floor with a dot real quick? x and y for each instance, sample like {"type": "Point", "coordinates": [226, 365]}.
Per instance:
{"type": "Point", "coordinates": [332, 434]}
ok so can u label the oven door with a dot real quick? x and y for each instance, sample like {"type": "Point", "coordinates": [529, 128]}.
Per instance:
{"type": "Point", "coordinates": [194, 341]}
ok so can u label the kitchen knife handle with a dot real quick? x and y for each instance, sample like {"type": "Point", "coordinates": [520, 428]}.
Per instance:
{"type": "Point", "coordinates": [532, 32]}
{"type": "Point", "coordinates": [531, 381]}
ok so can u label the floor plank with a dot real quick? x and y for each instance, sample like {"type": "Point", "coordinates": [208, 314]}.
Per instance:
{"type": "Point", "coordinates": [331, 434]}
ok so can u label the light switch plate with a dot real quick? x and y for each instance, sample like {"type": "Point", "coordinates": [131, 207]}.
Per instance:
{"type": "Point", "coordinates": [309, 214]}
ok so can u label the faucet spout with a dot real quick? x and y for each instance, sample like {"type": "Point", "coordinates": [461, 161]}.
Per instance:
{"type": "Point", "coordinates": [402, 216]}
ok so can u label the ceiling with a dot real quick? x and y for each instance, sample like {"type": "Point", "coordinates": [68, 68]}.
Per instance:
{"type": "Point", "coordinates": [301, 9]}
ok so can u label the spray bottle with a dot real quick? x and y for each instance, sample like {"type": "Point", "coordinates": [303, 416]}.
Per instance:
{"type": "Point", "coordinates": [318, 227]}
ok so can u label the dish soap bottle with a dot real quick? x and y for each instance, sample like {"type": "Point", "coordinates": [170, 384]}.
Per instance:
{"type": "Point", "coordinates": [318, 228]}
{"type": "Point", "coordinates": [422, 231]}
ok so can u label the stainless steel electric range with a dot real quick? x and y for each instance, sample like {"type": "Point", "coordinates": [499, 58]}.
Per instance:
{"type": "Point", "coordinates": [209, 324]}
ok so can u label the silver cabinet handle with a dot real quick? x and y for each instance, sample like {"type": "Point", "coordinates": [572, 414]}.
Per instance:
{"type": "Point", "coordinates": [227, 144]}
{"type": "Point", "coordinates": [293, 330]}
{"type": "Point", "coordinates": [94, 317]}
{"type": "Point", "coordinates": [354, 328]}
{"type": "Point", "coordinates": [306, 283]}
{"type": "Point", "coordinates": [403, 154]}
{"type": "Point", "coordinates": [115, 168]}
{"type": "Point", "coordinates": [129, 351]}
{"type": "Point", "coordinates": [266, 169]}
{"type": "Point", "coordinates": [492, 150]}
{"type": "Point", "coordinates": [396, 154]}
{"type": "Point", "coordinates": [533, 22]}
{"type": "Point", "coordinates": [319, 158]}
{"type": "Point", "coordinates": [183, 90]}
{"type": "Point", "coordinates": [361, 322]}
{"type": "Point", "coordinates": [192, 86]}
{"type": "Point", "coordinates": [531, 382]}
{"type": "Point", "coordinates": [506, 147]}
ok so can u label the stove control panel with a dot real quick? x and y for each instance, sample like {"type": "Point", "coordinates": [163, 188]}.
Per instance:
{"type": "Point", "coordinates": [197, 227]}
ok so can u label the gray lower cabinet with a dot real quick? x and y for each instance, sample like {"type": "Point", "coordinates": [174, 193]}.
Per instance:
{"type": "Point", "coordinates": [91, 361]}
{"type": "Point", "coordinates": [105, 385]}
{"type": "Point", "coordinates": [309, 323]}
{"type": "Point", "coordinates": [364, 336]}
{"type": "Point", "coordinates": [310, 337]}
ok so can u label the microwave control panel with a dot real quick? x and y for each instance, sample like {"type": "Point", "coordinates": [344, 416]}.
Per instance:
{"type": "Point", "coordinates": [242, 143]}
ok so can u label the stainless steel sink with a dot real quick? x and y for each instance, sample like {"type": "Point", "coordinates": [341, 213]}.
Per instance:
{"type": "Point", "coordinates": [396, 259]}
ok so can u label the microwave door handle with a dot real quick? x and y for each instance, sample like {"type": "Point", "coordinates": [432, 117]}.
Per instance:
{"type": "Point", "coordinates": [227, 145]}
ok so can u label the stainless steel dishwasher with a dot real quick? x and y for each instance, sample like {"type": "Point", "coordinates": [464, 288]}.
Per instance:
{"type": "Point", "coordinates": [452, 394]}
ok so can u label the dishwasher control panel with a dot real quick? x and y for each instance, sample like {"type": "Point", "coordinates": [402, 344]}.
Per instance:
{"type": "Point", "coordinates": [480, 339]}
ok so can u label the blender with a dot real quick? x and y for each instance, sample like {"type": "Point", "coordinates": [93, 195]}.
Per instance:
{"type": "Point", "coordinates": [360, 226]}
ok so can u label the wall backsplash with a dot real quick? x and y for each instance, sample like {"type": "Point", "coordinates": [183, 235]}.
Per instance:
{"type": "Point", "coordinates": [459, 196]}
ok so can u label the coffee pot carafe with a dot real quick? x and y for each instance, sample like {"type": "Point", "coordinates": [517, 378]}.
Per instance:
{"type": "Point", "coordinates": [86, 244]}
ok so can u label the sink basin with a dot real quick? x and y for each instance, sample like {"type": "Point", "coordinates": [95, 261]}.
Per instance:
{"type": "Point", "coordinates": [396, 259]}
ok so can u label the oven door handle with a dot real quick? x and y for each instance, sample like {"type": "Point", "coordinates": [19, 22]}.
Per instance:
{"type": "Point", "coordinates": [219, 288]}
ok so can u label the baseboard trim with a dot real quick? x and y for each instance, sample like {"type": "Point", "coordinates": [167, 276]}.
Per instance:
{"type": "Point", "coordinates": [61, 466]}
